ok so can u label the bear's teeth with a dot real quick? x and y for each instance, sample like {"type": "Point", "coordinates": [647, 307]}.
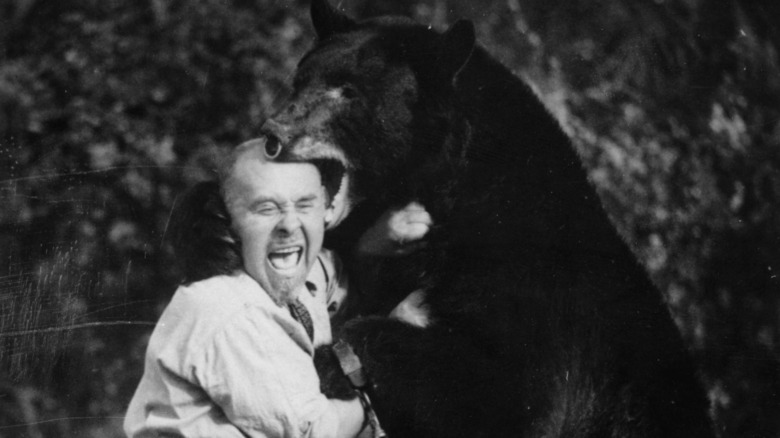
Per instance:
{"type": "Point", "coordinates": [285, 258]}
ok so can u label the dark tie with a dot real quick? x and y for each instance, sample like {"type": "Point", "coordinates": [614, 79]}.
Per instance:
{"type": "Point", "coordinates": [300, 314]}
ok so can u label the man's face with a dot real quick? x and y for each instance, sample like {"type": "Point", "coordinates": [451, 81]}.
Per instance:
{"type": "Point", "coordinates": [279, 212]}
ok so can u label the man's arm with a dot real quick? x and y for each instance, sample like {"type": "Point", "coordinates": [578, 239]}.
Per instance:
{"type": "Point", "coordinates": [266, 384]}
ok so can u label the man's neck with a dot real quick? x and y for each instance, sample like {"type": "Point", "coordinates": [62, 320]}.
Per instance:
{"type": "Point", "coordinates": [282, 296]}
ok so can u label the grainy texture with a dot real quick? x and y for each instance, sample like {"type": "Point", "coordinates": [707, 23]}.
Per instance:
{"type": "Point", "coordinates": [108, 109]}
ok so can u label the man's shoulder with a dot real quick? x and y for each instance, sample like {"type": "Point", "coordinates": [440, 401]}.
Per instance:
{"type": "Point", "coordinates": [239, 281]}
{"type": "Point", "coordinates": [201, 309]}
{"type": "Point", "coordinates": [219, 295]}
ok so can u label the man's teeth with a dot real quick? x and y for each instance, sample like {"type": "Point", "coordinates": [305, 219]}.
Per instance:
{"type": "Point", "coordinates": [285, 258]}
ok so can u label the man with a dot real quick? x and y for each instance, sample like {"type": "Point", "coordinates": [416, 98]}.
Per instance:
{"type": "Point", "coordinates": [232, 355]}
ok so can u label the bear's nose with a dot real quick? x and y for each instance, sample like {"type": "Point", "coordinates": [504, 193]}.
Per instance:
{"type": "Point", "coordinates": [277, 134]}
{"type": "Point", "coordinates": [273, 147]}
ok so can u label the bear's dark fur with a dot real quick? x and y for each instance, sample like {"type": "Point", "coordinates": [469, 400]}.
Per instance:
{"type": "Point", "coordinates": [543, 322]}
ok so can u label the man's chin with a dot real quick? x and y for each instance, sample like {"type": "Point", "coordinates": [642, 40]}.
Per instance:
{"type": "Point", "coordinates": [282, 287]}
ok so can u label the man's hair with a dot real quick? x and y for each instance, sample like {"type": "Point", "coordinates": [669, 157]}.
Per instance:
{"type": "Point", "coordinates": [202, 239]}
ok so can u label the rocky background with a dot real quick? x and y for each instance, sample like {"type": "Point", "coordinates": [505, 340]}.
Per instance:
{"type": "Point", "coordinates": [109, 109]}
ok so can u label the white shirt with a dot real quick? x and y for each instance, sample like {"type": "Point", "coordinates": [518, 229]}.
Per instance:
{"type": "Point", "coordinates": [226, 361]}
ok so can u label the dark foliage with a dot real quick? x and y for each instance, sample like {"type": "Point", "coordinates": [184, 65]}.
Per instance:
{"type": "Point", "coordinates": [108, 110]}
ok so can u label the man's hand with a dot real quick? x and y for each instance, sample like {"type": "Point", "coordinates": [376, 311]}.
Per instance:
{"type": "Point", "coordinates": [397, 232]}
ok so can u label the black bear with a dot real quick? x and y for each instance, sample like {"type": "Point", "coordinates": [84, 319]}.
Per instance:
{"type": "Point", "coordinates": [542, 322]}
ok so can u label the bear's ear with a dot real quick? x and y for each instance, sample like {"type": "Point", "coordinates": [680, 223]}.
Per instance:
{"type": "Point", "coordinates": [457, 43]}
{"type": "Point", "coordinates": [327, 20]}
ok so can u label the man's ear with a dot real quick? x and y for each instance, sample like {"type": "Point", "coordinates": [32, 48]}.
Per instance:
{"type": "Point", "coordinates": [330, 214]}
{"type": "Point", "coordinates": [457, 43]}
{"type": "Point", "coordinates": [327, 20]}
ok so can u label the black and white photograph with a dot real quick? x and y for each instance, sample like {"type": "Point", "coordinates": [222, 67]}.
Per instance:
{"type": "Point", "coordinates": [390, 219]}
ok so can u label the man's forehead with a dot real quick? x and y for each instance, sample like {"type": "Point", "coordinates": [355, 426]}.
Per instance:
{"type": "Point", "coordinates": [260, 176]}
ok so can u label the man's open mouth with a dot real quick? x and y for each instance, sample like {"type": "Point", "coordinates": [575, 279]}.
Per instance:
{"type": "Point", "coordinates": [286, 258]}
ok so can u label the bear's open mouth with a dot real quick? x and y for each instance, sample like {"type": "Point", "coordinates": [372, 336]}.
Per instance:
{"type": "Point", "coordinates": [332, 162]}
{"type": "Point", "coordinates": [329, 159]}
{"type": "Point", "coordinates": [332, 173]}
{"type": "Point", "coordinates": [337, 181]}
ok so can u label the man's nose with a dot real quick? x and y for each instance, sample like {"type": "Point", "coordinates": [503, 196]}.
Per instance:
{"type": "Point", "coordinates": [289, 222]}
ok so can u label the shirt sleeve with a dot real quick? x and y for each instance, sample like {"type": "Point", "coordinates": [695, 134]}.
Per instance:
{"type": "Point", "coordinates": [264, 382]}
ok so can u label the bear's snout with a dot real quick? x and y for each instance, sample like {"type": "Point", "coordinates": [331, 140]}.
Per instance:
{"type": "Point", "coordinates": [277, 135]}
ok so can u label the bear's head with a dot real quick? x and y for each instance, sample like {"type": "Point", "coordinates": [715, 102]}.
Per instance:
{"type": "Point", "coordinates": [372, 102]}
